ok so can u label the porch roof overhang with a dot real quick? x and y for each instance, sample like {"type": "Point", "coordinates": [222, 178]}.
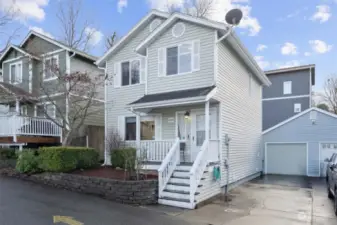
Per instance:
{"type": "Point", "coordinates": [174, 98]}
{"type": "Point", "coordinates": [11, 93]}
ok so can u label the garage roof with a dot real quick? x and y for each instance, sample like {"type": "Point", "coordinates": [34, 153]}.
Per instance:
{"type": "Point", "coordinates": [298, 115]}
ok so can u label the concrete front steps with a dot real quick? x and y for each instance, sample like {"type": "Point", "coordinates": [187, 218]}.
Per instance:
{"type": "Point", "coordinates": [177, 190]}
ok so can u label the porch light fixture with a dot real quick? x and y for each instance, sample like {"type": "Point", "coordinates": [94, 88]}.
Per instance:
{"type": "Point", "coordinates": [187, 115]}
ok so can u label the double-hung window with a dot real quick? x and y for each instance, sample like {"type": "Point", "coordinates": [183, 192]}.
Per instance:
{"type": "Point", "coordinates": [15, 73]}
{"type": "Point", "coordinates": [51, 65]}
{"type": "Point", "coordinates": [287, 87]}
{"type": "Point", "coordinates": [129, 72]}
{"type": "Point", "coordinates": [50, 110]}
{"type": "Point", "coordinates": [180, 59]}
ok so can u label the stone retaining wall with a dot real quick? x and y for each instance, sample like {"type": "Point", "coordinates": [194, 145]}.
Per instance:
{"type": "Point", "coordinates": [5, 163]}
{"type": "Point", "coordinates": [144, 192]}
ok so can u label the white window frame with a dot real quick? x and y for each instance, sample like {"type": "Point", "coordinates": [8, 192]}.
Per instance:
{"type": "Point", "coordinates": [46, 111]}
{"type": "Point", "coordinates": [44, 67]}
{"type": "Point", "coordinates": [130, 63]}
{"type": "Point", "coordinates": [23, 110]}
{"type": "Point", "coordinates": [297, 108]}
{"type": "Point", "coordinates": [178, 63]}
{"type": "Point", "coordinates": [19, 80]}
{"type": "Point", "coordinates": [287, 87]}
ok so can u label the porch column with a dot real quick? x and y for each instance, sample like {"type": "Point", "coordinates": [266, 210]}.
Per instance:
{"type": "Point", "coordinates": [207, 120]}
{"type": "Point", "coordinates": [17, 106]}
{"type": "Point", "coordinates": [138, 132]}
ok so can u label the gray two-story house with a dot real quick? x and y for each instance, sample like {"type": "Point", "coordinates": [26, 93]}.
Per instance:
{"type": "Point", "coordinates": [187, 94]}
{"type": "Point", "coordinates": [289, 94]}
{"type": "Point", "coordinates": [34, 93]}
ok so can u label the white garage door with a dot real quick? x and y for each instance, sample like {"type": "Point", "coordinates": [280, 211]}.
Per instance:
{"type": "Point", "coordinates": [326, 151]}
{"type": "Point", "coordinates": [286, 159]}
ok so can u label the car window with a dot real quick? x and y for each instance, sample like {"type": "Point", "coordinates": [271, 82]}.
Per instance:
{"type": "Point", "coordinates": [332, 157]}
{"type": "Point", "coordinates": [334, 160]}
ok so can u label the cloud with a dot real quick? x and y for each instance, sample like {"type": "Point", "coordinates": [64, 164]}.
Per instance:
{"type": "Point", "coordinates": [41, 31]}
{"type": "Point", "coordinates": [96, 36]}
{"type": "Point", "coordinates": [217, 11]}
{"type": "Point", "coordinates": [287, 64]}
{"type": "Point", "coordinates": [289, 49]}
{"type": "Point", "coordinates": [319, 46]}
{"type": "Point", "coordinates": [307, 54]}
{"type": "Point", "coordinates": [121, 4]}
{"type": "Point", "coordinates": [322, 14]}
{"type": "Point", "coordinates": [261, 47]}
{"type": "Point", "coordinates": [262, 62]}
{"type": "Point", "coordinates": [25, 9]}
{"type": "Point", "coordinates": [293, 14]}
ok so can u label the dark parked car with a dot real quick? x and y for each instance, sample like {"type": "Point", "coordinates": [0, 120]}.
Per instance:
{"type": "Point", "coordinates": [331, 178]}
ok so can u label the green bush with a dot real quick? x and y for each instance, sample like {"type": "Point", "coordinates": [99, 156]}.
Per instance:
{"type": "Point", "coordinates": [65, 159]}
{"type": "Point", "coordinates": [119, 158]}
{"type": "Point", "coordinates": [28, 161]}
{"type": "Point", "coordinates": [7, 153]}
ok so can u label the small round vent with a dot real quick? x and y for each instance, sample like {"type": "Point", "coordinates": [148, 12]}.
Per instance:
{"type": "Point", "coordinates": [155, 23]}
{"type": "Point", "coordinates": [178, 30]}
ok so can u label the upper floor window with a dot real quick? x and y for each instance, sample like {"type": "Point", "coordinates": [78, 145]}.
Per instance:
{"type": "Point", "coordinates": [50, 110]}
{"type": "Point", "coordinates": [51, 65]}
{"type": "Point", "coordinates": [180, 59]}
{"type": "Point", "coordinates": [297, 107]}
{"type": "Point", "coordinates": [287, 89]}
{"type": "Point", "coordinates": [15, 73]}
{"type": "Point", "coordinates": [129, 72]}
{"type": "Point", "coordinates": [178, 30]}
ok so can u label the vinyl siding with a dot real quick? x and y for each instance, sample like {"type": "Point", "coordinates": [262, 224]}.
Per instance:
{"type": "Point", "coordinates": [202, 78]}
{"type": "Point", "coordinates": [276, 111]}
{"type": "Point", "coordinates": [241, 116]}
{"type": "Point", "coordinates": [209, 187]}
{"type": "Point", "coordinates": [39, 46]}
{"type": "Point", "coordinates": [302, 130]}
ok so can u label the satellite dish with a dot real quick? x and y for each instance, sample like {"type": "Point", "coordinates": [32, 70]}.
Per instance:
{"type": "Point", "coordinates": [234, 17]}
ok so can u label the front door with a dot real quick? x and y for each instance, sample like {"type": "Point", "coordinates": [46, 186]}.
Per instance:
{"type": "Point", "coordinates": [198, 130]}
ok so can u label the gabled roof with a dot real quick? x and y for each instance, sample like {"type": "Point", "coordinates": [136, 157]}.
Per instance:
{"type": "Point", "coordinates": [189, 93]}
{"type": "Point", "coordinates": [135, 29]}
{"type": "Point", "coordinates": [16, 91]}
{"type": "Point", "coordinates": [310, 67]}
{"type": "Point", "coordinates": [180, 16]}
{"type": "Point", "coordinates": [59, 44]}
{"type": "Point", "coordinates": [299, 115]}
{"type": "Point", "coordinates": [17, 48]}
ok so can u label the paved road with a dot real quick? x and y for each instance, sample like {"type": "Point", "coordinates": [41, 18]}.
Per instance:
{"type": "Point", "coordinates": [24, 203]}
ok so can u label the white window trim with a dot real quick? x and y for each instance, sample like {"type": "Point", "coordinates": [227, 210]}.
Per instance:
{"type": "Point", "coordinates": [179, 23]}
{"type": "Point", "coordinates": [121, 75]}
{"type": "Point", "coordinates": [148, 117]}
{"type": "Point", "coordinates": [286, 84]}
{"type": "Point", "coordinates": [44, 67]}
{"type": "Point", "coordinates": [10, 72]}
{"type": "Point", "coordinates": [54, 109]}
{"type": "Point", "coordinates": [24, 110]}
{"type": "Point", "coordinates": [178, 45]}
{"type": "Point", "coordinates": [297, 106]}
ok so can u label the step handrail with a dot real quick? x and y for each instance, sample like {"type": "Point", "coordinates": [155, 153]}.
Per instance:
{"type": "Point", "coordinates": [168, 165]}
{"type": "Point", "coordinates": [198, 169]}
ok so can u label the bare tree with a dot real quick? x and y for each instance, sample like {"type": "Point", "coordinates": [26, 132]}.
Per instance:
{"type": "Point", "coordinates": [7, 17]}
{"type": "Point", "coordinates": [330, 93]}
{"type": "Point", "coordinates": [74, 27]}
{"type": "Point", "coordinates": [196, 8]}
{"type": "Point", "coordinates": [111, 40]}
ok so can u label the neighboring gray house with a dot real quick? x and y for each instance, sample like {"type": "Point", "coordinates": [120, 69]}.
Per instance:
{"type": "Point", "coordinates": [300, 144]}
{"type": "Point", "coordinates": [188, 93]}
{"type": "Point", "coordinates": [289, 94]}
{"type": "Point", "coordinates": [26, 81]}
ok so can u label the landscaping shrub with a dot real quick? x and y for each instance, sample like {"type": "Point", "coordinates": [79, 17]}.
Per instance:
{"type": "Point", "coordinates": [28, 161]}
{"type": "Point", "coordinates": [119, 157]}
{"type": "Point", "coordinates": [7, 153]}
{"type": "Point", "coordinates": [65, 159]}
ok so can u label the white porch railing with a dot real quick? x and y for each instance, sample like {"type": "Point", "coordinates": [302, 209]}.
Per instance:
{"type": "Point", "coordinates": [155, 150]}
{"type": "Point", "coordinates": [168, 165]}
{"type": "Point", "coordinates": [213, 151]}
{"type": "Point", "coordinates": [23, 125]}
{"type": "Point", "coordinates": [198, 169]}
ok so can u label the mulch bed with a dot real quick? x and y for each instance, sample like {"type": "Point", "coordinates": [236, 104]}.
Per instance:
{"type": "Point", "coordinates": [116, 174]}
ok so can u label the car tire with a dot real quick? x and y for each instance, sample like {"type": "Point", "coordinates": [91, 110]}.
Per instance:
{"type": "Point", "coordinates": [330, 195]}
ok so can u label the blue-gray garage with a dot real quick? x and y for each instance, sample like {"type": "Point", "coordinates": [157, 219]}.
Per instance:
{"type": "Point", "coordinates": [300, 144]}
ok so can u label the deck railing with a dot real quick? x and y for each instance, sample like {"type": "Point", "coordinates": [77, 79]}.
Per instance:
{"type": "Point", "coordinates": [23, 125]}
